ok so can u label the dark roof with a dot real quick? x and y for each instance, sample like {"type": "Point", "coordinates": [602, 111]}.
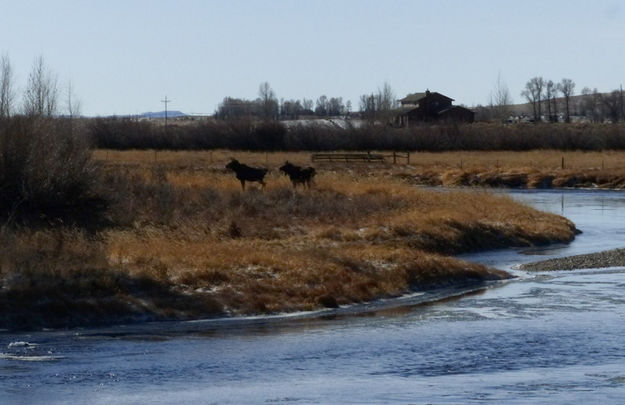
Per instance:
{"type": "Point", "coordinates": [455, 107]}
{"type": "Point", "coordinates": [415, 97]}
{"type": "Point", "coordinates": [412, 98]}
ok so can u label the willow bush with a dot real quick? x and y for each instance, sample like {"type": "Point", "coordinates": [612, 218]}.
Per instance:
{"type": "Point", "coordinates": [45, 168]}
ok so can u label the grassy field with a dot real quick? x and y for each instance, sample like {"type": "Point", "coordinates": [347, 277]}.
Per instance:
{"type": "Point", "coordinates": [537, 159]}
{"type": "Point", "coordinates": [181, 240]}
{"type": "Point", "coordinates": [532, 169]}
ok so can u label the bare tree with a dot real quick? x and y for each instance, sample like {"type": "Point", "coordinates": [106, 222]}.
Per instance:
{"type": "Point", "coordinates": [268, 101]}
{"type": "Point", "coordinates": [385, 98]}
{"type": "Point", "coordinates": [40, 97]}
{"type": "Point", "coordinates": [386, 102]}
{"type": "Point", "coordinates": [534, 93]}
{"type": "Point", "coordinates": [567, 88]}
{"type": "Point", "coordinates": [72, 105]}
{"type": "Point", "coordinates": [292, 109]}
{"type": "Point", "coordinates": [335, 106]}
{"type": "Point", "coordinates": [307, 106]}
{"type": "Point", "coordinates": [233, 108]}
{"type": "Point", "coordinates": [72, 108]}
{"type": "Point", "coordinates": [378, 106]}
{"type": "Point", "coordinates": [586, 103]}
{"type": "Point", "coordinates": [368, 107]}
{"type": "Point", "coordinates": [6, 87]}
{"type": "Point", "coordinates": [612, 104]}
{"type": "Point", "coordinates": [321, 106]}
{"type": "Point", "coordinates": [550, 96]}
{"type": "Point", "coordinates": [590, 105]}
{"type": "Point", "coordinates": [500, 99]}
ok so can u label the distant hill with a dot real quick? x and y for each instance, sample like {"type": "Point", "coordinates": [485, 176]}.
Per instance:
{"type": "Point", "coordinates": [161, 114]}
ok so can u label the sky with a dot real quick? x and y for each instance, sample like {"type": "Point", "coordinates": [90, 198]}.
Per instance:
{"type": "Point", "coordinates": [124, 57]}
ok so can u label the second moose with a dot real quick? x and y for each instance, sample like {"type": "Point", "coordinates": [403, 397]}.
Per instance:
{"type": "Point", "coordinates": [298, 175]}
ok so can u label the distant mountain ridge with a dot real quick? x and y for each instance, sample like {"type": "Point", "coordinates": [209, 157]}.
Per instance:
{"type": "Point", "coordinates": [161, 114]}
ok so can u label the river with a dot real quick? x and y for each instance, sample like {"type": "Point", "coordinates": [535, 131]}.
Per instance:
{"type": "Point", "coordinates": [542, 338]}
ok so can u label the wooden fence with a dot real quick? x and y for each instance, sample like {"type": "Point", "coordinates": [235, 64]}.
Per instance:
{"type": "Point", "coordinates": [360, 157]}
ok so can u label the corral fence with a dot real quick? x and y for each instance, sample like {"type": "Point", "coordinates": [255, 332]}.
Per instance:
{"type": "Point", "coordinates": [361, 157]}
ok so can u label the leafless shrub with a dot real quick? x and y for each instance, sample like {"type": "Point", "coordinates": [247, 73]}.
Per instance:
{"type": "Point", "coordinates": [43, 169]}
{"type": "Point", "coordinates": [244, 134]}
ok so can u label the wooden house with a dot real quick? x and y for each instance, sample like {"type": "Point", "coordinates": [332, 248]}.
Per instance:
{"type": "Point", "coordinates": [430, 107]}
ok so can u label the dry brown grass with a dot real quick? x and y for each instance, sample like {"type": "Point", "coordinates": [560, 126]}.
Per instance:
{"type": "Point", "coordinates": [358, 235]}
{"type": "Point", "coordinates": [531, 169]}
{"type": "Point", "coordinates": [537, 159]}
{"type": "Point", "coordinates": [185, 241]}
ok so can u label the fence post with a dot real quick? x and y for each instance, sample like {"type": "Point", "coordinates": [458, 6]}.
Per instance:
{"type": "Point", "coordinates": [562, 165]}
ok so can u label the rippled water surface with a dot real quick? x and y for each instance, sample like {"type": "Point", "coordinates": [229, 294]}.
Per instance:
{"type": "Point", "coordinates": [543, 338]}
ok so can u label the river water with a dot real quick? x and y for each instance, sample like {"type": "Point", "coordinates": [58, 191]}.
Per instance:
{"type": "Point", "coordinates": [543, 338]}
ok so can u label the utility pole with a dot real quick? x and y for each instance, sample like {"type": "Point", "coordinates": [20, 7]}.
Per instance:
{"type": "Point", "coordinates": [622, 112]}
{"type": "Point", "coordinates": [166, 101]}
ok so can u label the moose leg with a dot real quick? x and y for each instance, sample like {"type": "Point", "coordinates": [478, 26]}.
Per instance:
{"type": "Point", "coordinates": [242, 184]}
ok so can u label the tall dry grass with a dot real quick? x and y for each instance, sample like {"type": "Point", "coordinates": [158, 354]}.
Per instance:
{"type": "Point", "coordinates": [54, 278]}
{"type": "Point", "coordinates": [182, 240]}
{"type": "Point", "coordinates": [350, 239]}
{"type": "Point", "coordinates": [547, 159]}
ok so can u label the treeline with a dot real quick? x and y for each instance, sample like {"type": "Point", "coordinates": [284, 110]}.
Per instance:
{"type": "Point", "coordinates": [267, 106]}
{"type": "Point", "coordinates": [234, 108]}
{"type": "Point", "coordinates": [246, 134]}
{"type": "Point", "coordinates": [549, 101]}
{"type": "Point", "coordinates": [542, 95]}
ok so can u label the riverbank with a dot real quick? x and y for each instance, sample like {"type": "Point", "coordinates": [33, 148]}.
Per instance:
{"type": "Point", "coordinates": [180, 239]}
{"type": "Point", "coordinates": [540, 169]}
{"type": "Point", "coordinates": [521, 178]}
{"type": "Point", "coordinates": [608, 258]}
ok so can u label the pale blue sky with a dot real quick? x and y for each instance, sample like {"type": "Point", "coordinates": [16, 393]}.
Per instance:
{"type": "Point", "coordinates": [123, 57]}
